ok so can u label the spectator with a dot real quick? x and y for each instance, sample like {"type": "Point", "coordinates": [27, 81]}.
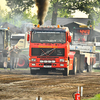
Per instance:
{"type": "Point", "coordinates": [5, 54]}
{"type": "Point", "coordinates": [81, 39]}
{"type": "Point", "coordinates": [17, 55]}
{"type": "Point", "coordinates": [12, 58]}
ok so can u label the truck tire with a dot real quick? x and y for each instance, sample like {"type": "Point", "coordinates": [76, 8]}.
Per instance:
{"type": "Point", "coordinates": [66, 71]}
{"type": "Point", "coordinates": [22, 62]}
{"type": "Point", "coordinates": [74, 71]}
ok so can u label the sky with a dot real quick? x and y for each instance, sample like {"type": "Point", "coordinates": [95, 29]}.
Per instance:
{"type": "Point", "coordinates": [3, 5]}
{"type": "Point", "coordinates": [77, 14]}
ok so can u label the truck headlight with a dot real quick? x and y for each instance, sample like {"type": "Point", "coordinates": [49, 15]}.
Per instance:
{"type": "Point", "coordinates": [41, 61]}
{"type": "Point", "coordinates": [33, 59]}
{"type": "Point", "coordinates": [61, 60]}
{"type": "Point", "coordinates": [49, 61]}
{"type": "Point", "coordinates": [45, 61]}
{"type": "Point", "coordinates": [53, 61]}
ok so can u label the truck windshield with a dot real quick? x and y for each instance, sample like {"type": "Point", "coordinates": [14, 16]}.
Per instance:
{"type": "Point", "coordinates": [1, 39]}
{"type": "Point", "coordinates": [81, 34]}
{"type": "Point", "coordinates": [48, 37]}
{"type": "Point", "coordinates": [14, 42]}
{"type": "Point", "coordinates": [79, 37]}
{"type": "Point", "coordinates": [15, 38]}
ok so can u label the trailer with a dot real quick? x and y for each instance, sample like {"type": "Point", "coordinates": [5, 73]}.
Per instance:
{"type": "Point", "coordinates": [81, 41]}
{"type": "Point", "coordinates": [49, 50]}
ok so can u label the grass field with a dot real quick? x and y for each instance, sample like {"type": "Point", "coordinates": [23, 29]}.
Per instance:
{"type": "Point", "coordinates": [96, 97]}
{"type": "Point", "coordinates": [96, 70]}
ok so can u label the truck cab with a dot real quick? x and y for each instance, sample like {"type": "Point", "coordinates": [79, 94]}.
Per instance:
{"type": "Point", "coordinates": [49, 50]}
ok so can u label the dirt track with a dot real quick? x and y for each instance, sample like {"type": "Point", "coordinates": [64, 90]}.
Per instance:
{"type": "Point", "coordinates": [20, 85]}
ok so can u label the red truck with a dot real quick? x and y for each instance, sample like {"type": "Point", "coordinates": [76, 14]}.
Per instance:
{"type": "Point", "coordinates": [49, 50]}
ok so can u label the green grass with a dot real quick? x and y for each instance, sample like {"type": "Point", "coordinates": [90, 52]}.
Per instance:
{"type": "Point", "coordinates": [96, 70]}
{"type": "Point", "coordinates": [96, 97]}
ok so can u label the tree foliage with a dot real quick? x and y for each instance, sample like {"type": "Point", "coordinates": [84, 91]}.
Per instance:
{"type": "Point", "coordinates": [62, 8]}
{"type": "Point", "coordinates": [67, 7]}
{"type": "Point", "coordinates": [20, 12]}
{"type": "Point", "coordinates": [19, 6]}
{"type": "Point", "coordinates": [18, 19]}
{"type": "Point", "coordinates": [3, 15]}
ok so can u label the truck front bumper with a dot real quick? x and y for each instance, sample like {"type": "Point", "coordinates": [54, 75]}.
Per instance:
{"type": "Point", "coordinates": [48, 65]}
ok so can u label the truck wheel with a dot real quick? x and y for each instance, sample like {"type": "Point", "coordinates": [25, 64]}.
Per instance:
{"type": "Point", "coordinates": [23, 62]}
{"type": "Point", "coordinates": [66, 71]}
{"type": "Point", "coordinates": [74, 71]}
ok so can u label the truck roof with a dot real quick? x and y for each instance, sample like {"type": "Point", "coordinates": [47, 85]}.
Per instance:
{"type": "Point", "coordinates": [17, 36]}
{"type": "Point", "coordinates": [50, 29]}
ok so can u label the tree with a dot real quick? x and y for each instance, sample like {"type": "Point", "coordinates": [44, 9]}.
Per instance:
{"type": "Point", "coordinates": [3, 15]}
{"type": "Point", "coordinates": [66, 7]}
{"type": "Point", "coordinates": [25, 17]}
{"type": "Point", "coordinates": [62, 8]}
{"type": "Point", "coordinates": [19, 6]}
{"type": "Point", "coordinates": [21, 12]}
{"type": "Point", "coordinates": [30, 17]}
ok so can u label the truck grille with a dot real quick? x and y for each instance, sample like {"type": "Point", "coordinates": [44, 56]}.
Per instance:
{"type": "Point", "coordinates": [47, 52]}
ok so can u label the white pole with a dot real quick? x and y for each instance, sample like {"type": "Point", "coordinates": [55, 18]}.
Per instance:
{"type": "Point", "coordinates": [38, 98]}
{"type": "Point", "coordinates": [81, 91]}
{"type": "Point", "coordinates": [78, 89]}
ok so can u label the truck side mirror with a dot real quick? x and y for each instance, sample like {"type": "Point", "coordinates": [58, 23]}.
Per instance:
{"type": "Point", "coordinates": [27, 37]}
{"type": "Point", "coordinates": [69, 39]}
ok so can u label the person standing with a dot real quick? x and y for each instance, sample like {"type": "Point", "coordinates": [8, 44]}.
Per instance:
{"type": "Point", "coordinates": [12, 58]}
{"type": "Point", "coordinates": [5, 54]}
{"type": "Point", "coordinates": [17, 55]}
